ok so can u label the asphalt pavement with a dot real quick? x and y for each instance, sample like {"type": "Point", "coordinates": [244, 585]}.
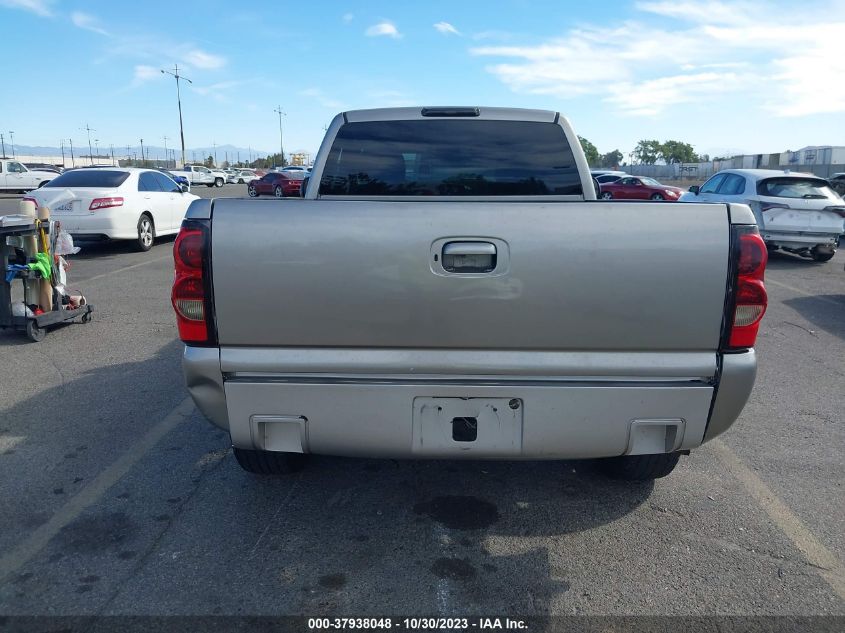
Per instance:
{"type": "Point", "coordinates": [119, 499]}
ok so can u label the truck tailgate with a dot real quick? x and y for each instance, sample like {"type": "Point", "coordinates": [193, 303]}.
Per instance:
{"type": "Point", "coordinates": [569, 275]}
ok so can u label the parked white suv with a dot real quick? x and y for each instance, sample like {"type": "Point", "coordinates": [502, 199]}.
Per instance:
{"type": "Point", "coordinates": [796, 212]}
{"type": "Point", "coordinates": [201, 175]}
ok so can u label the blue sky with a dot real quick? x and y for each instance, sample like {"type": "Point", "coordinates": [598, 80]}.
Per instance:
{"type": "Point", "coordinates": [724, 76]}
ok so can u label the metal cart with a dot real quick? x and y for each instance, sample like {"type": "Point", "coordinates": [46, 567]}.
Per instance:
{"type": "Point", "coordinates": [35, 325]}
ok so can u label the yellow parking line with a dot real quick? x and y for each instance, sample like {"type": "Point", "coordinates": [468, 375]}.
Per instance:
{"type": "Point", "coordinates": [829, 566]}
{"type": "Point", "coordinates": [20, 555]}
{"type": "Point", "coordinates": [769, 280]}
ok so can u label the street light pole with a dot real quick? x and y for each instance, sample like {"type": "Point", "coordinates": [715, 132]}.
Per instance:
{"type": "Point", "coordinates": [142, 153]}
{"type": "Point", "coordinates": [112, 153]}
{"type": "Point", "coordinates": [166, 157]}
{"type": "Point", "coordinates": [97, 145]}
{"type": "Point", "coordinates": [281, 112]}
{"type": "Point", "coordinates": [89, 129]}
{"type": "Point", "coordinates": [72, 159]}
{"type": "Point", "coordinates": [12, 141]}
{"type": "Point", "coordinates": [2, 147]}
{"type": "Point", "coordinates": [214, 144]}
{"type": "Point", "coordinates": [62, 143]}
{"type": "Point", "coordinates": [177, 76]}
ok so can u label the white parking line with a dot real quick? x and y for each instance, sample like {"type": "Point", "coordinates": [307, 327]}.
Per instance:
{"type": "Point", "coordinates": [18, 556]}
{"type": "Point", "coordinates": [125, 268]}
{"type": "Point", "coordinates": [830, 567]}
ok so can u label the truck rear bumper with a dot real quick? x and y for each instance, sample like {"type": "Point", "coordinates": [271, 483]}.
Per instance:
{"type": "Point", "coordinates": [403, 415]}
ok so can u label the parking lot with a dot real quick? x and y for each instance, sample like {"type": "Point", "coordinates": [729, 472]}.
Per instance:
{"type": "Point", "coordinates": [118, 497]}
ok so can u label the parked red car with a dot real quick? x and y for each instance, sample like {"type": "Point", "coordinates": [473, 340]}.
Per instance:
{"type": "Point", "coordinates": [279, 184]}
{"type": "Point", "coordinates": [638, 188]}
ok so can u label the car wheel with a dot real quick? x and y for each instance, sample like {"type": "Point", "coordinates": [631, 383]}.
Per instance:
{"type": "Point", "coordinates": [639, 467]}
{"type": "Point", "coordinates": [252, 191]}
{"type": "Point", "coordinates": [146, 233]}
{"type": "Point", "coordinates": [240, 181]}
{"type": "Point", "coordinates": [657, 196]}
{"type": "Point", "coordinates": [606, 195]}
{"type": "Point", "coordinates": [823, 255]}
{"type": "Point", "coordinates": [218, 182]}
{"type": "Point", "coordinates": [36, 334]}
{"type": "Point", "coordinates": [42, 183]}
{"type": "Point", "coordinates": [269, 462]}
{"type": "Point", "coordinates": [278, 192]}
{"type": "Point", "coordinates": [210, 185]}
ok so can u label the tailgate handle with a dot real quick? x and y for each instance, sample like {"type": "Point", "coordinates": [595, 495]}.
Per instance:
{"type": "Point", "coordinates": [469, 257]}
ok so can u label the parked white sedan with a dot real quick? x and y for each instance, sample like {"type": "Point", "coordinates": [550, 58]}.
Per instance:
{"type": "Point", "coordinates": [116, 203]}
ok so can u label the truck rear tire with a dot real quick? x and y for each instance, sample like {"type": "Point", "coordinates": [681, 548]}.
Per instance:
{"type": "Point", "coordinates": [639, 467]}
{"type": "Point", "coordinates": [822, 255]}
{"type": "Point", "coordinates": [268, 462]}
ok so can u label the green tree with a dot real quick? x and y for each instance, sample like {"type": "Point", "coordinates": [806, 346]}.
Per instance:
{"type": "Point", "coordinates": [590, 151]}
{"type": "Point", "coordinates": [677, 152]}
{"type": "Point", "coordinates": [648, 152]}
{"type": "Point", "coordinates": [209, 162]}
{"type": "Point", "coordinates": [611, 159]}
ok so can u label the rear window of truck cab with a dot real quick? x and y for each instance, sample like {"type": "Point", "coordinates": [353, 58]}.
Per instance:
{"type": "Point", "coordinates": [450, 158]}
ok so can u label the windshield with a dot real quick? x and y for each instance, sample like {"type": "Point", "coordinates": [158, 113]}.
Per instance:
{"type": "Point", "coordinates": [808, 188]}
{"type": "Point", "coordinates": [450, 158]}
{"type": "Point", "coordinates": [105, 178]}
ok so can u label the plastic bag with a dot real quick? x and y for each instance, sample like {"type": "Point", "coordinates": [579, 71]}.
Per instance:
{"type": "Point", "coordinates": [19, 310]}
{"type": "Point", "coordinates": [64, 244]}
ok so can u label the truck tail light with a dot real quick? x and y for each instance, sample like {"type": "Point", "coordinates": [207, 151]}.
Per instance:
{"type": "Point", "coordinates": [191, 294]}
{"type": "Point", "coordinates": [105, 203]}
{"type": "Point", "coordinates": [748, 298]}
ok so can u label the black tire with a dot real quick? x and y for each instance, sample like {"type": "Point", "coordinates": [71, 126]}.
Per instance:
{"type": "Point", "coordinates": [240, 181]}
{"type": "Point", "coordinates": [86, 318]}
{"type": "Point", "coordinates": [639, 467]}
{"type": "Point", "coordinates": [822, 256]}
{"type": "Point", "coordinates": [210, 185]}
{"type": "Point", "coordinates": [252, 191]}
{"type": "Point", "coordinates": [269, 462]}
{"type": "Point", "coordinates": [279, 192]}
{"type": "Point", "coordinates": [42, 183]}
{"type": "Point", "coordinates": [146, 233]}
{"type": "Point", "coordinates": [36, 334]}
{"type": "Point", "coordinates": [606, 195]}
{"type": "Point", "coordinates": [218, 182]}
{"type": "Point", "coordinates": [657, 196]}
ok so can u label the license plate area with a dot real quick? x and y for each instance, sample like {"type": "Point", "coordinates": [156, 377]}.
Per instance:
{"type": "Point", "coordinates": [482, 427]}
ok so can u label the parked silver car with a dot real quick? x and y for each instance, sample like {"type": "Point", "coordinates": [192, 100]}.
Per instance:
{"type": "Point", "coordinates": [796, 212]}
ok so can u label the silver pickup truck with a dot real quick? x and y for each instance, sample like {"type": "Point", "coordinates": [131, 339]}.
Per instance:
{"type": "Point", "coordinates": [449, 287]}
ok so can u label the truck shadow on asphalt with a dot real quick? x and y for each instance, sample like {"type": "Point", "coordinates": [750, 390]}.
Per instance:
{"type": "Point", "coordinates": [818, 311]}
{"type": "Point", "coordinates": [340, 537]}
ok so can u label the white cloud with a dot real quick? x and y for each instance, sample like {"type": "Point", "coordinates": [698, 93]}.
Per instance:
{"type": "Point", "coordinates": [44, 8]}
{"type": "Point", "coordinates": [784, 61]}
{"type": "Point", "coordinates": [322, 99]}
{"type": "Point", "coordinates": [206, 61]}
{"type": "Point", "coordinates": [144, 73]}
{"type": "Point", "coordinates": [446, 29]}
{"type": "Point", "coordinates": [88, 22]}
{"type": "Point", "coordinates": [385, 28]}
{"type": "Point", "coordinates": [348, 17]}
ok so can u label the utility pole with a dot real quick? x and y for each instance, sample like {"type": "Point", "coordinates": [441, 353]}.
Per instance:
{"type": "Point", "coordinates": [72, 159]}
{"type": "Point", "coordinates": [97, 145]}
{"type": "Point", "coordinates": [175, 74]}
{"type": "Point", "coordinates": [129, 156]}
{"type": "Point", "coordinates": [89, 129]}
{"type": "Point", "coordinates": [12, 141]}
{"type": "Point", "coordinates": [215, 152]}
{"type": "Point", "coordinates": [281, 112]}
{"type": "Point", "coordinates": [62, 143]}
{"type": "Point", "coordinates": [2, 146]}
{"type": "Point", "coordinates": [112, 153]}
{"type": "Point", "coordinates": [142, 153]}
{"type": "Point", "coordinates": [166, 157]}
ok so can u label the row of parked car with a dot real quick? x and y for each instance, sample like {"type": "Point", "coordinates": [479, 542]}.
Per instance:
{"type": "Point", "coordinates": [796, 212]}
